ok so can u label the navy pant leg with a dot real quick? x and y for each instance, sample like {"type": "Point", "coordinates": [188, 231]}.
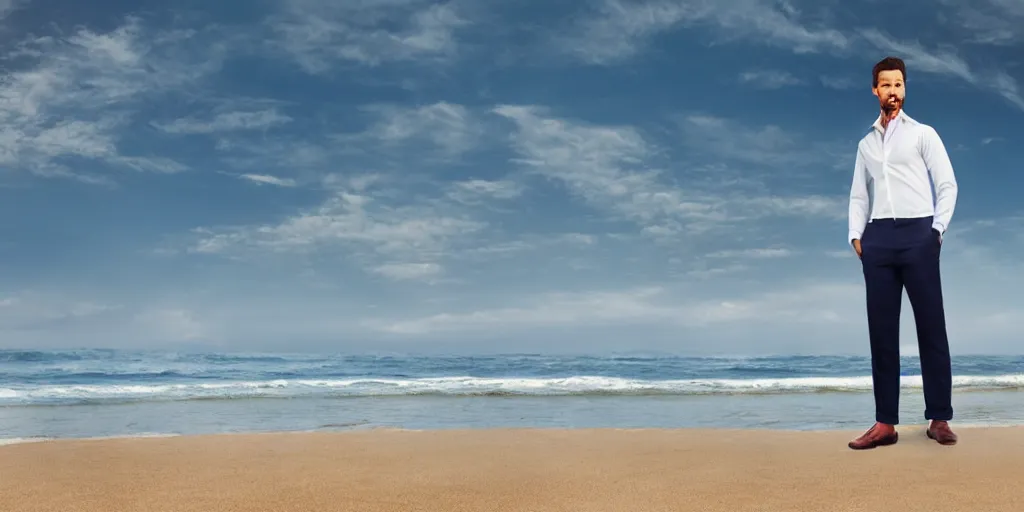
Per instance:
{"type": "Point", "coordinates": [922, 279]}
{"type": "Point", "coordinates": [883, 279]}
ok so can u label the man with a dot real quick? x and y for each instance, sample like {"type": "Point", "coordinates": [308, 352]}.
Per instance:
{"type": "Point", "coordinates": [896, 230]}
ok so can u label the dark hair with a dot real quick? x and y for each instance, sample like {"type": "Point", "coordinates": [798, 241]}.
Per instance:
{"type": "Point", "coordinates": [888, 64]}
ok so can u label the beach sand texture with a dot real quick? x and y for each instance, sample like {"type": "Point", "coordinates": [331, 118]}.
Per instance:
{"type": "Point", "coordinates": [517, 470]}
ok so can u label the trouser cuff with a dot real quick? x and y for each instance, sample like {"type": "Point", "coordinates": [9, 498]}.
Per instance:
{"type": "Point", "coordinates": [889, 420]}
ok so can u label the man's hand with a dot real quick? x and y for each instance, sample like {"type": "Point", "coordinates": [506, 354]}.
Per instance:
{"type": "Point", "coordinates": [856, 247]}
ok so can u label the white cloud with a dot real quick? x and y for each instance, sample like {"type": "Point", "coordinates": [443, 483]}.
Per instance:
{"type": "Point", "coordinates": [797, 314]}
{"type": "Point", "coordinates": [770, 79]}
{"type": "Point", "coordinates": [707, 272]}
{"type": "Point", "coordinates": [769, 146]}
{"type": "Point", "coordinates": [918, 58]}
{"type": "Point", "coordinates": [226, 121]}
{"type": "Point", "coordinates": [840, 83]}
{"type": "Point", "coordinates": [606, 166]}
{"type": "Point", "coordinates": [286, 153]}
{"type": "Point", "coordinates": [945, 62]}
{"type": "Point", "coordinates": [318, 34]}
{"type": "Point", "coordinates": [990, 22]}
{"type": "Point", "coordinates": [719, 214]}
{"type": "Point", "coordinates": [515, 245]}
{"type": "Point", "coordinates": [447, 126]}
{"type": "Point", "coordinates": [649, 306]}
{"type": "Point", "coordinates": [768, 252]}
{"type": "Point", "coordinates": [268, 180]}
{"type": "Point", "coordinates": [476, 191]}
{"type": "Point", "coordinates": [1007, 87]}
{"type": "Point", "coordinates": [149, 164]}
{"type": "Point", "coordinates": [409, 271]}
{"type": "Point", "coordinates": [78, 93]}
{"type": "Point", "coordinates": [621, 29]}
{"type": "Point", "coordinates": [812, 206]}
{"type": "Point", "coordinates": [413, 238]}
{"type": "Point", "coordinates": [777, 23]}
{"type": "Point", "coordinates": [580, 238]}
{"type": "Point", "coordinates": [613, 168]}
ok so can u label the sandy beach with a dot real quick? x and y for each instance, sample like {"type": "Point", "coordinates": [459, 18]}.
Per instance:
{"type": "Point", "coordinates": [520, 470]}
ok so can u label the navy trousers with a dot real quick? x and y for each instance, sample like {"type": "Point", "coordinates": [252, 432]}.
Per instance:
{"type": "Point", "coordinates": [898, 254]}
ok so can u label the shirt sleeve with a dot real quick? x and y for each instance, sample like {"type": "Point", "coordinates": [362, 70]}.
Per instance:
{"type": "Point", "coordinates": [859, 199]}
{"type": "Point", "coordinates": [936, 159]}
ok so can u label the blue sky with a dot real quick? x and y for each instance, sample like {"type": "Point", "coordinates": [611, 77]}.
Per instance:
{"type": "Point", "coordinates": [483, 176]}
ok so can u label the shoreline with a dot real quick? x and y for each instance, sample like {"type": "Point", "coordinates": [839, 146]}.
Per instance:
{"type": "Point", "coordinates": [385, 428]}
{"type": "Point", "coordinates": [371, 428]}
{"type": "Point", "coordinates": [513, 469]}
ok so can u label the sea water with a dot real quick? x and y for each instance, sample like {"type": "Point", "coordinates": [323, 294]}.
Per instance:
{"type": "Point", "coordinates": [102, 393]}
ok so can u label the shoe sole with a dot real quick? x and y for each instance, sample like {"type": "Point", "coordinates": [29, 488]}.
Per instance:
{"type": "Point", "coordinates": [884, 442]}
{"type": "Point", "coordinates": [932, 437]}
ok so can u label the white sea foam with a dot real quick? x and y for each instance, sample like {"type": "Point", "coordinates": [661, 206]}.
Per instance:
{"type": "Point", "coordinates": [579, 385]}
{"type": "Point", "coordinates": [141, 435]}
{"type": "Point", "coordinates": [22, 440]}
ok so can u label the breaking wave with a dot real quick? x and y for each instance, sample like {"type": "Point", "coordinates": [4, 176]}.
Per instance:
{"type": "Point", "coordinates": [462, 386]}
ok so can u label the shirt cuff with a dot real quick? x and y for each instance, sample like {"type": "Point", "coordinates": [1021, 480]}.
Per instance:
{"type": "Point", "coordinates": [939, 227]}
{"type": "Point", "coordinates": [854, 235]}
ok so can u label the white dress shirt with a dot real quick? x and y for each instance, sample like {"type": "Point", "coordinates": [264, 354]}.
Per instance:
{"type": "Point", "coordinates": [894, 172]}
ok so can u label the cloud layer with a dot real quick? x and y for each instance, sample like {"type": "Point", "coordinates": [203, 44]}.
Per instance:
{"type": "Point", "coordinates": [454, 176]}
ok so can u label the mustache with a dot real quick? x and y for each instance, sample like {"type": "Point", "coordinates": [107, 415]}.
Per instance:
{"type": "Point", "coordinates": [892, 103]}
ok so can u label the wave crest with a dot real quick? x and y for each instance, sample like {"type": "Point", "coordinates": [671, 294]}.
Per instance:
{"type": "Point", "coordinates": [464, 386]}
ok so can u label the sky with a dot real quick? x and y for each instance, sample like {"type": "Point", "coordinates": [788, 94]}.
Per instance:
{"type": "Point", "coordinates": [479, 176]}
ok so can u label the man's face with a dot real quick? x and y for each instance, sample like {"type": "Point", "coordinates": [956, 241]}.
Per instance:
{"type": "Point", "coordinates": [890, 90]}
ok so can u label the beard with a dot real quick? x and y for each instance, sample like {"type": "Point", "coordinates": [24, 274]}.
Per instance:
{"type": "Point", "coordinates": [891, 104]}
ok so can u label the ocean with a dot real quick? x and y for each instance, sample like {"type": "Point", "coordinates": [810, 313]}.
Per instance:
{"type": "Point", "coordinates": [111, 393]}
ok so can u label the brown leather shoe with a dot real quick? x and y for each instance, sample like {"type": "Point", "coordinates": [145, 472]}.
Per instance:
{"type": "Point", "coordinates": [940, 432]}
{"type": "Point", "coordinates": [878, 435]}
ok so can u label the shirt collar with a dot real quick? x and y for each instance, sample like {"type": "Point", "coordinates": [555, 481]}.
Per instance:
{"type": "Point", "coordinates": [902, 116]}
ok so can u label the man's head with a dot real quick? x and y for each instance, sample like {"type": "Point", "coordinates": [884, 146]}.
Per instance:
{"type": "Point", "coordinates": [889, 84]}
